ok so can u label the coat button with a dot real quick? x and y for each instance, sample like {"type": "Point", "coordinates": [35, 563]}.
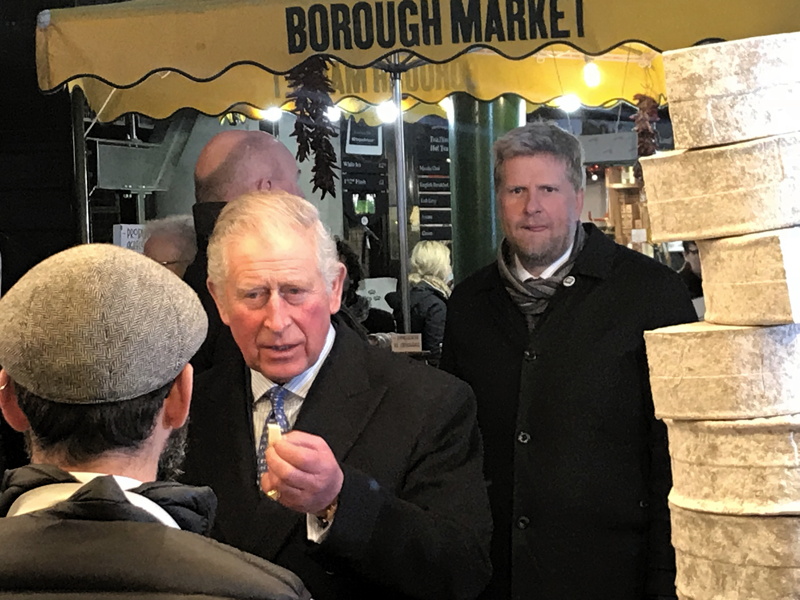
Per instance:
{"type": "Point", "coordinates": [523, 437]}
{"type": "Point", "coordinates": [523, 522]}
{"type": "Point", "coordinates": [530, 355]}
{"type": "Point", "coordinates": [569, 281]}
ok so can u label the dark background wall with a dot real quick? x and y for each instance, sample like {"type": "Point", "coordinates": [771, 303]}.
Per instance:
{"type": "Point", "coordinates": [38, 215]}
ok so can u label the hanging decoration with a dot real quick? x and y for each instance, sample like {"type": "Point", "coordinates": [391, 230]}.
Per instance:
{"type": "Point", "coordinates": [311, 92]}
{"type": "Point", "coordinates": [645, 131]}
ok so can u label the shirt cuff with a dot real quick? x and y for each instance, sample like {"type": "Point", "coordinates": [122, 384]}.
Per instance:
{"type": "Point", "coordinates": [315, 531]}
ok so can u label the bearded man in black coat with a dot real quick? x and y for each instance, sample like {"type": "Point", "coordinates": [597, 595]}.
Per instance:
{"type": "Point", "coordinates": [550, 338]}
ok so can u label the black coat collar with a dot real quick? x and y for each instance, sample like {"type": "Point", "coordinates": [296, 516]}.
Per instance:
{"type": "Point", "coordinates": [193, 508]}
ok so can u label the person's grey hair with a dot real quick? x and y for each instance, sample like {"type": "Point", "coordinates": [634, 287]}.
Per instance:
{"type": "Point", "coordinates": [180, 227]}
{"type": "Point", "coordinates": [541, 138]}
{"type": "Point", "coordinates": [269, 215]}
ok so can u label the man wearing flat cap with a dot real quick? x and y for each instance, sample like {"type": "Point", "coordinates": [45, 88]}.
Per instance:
{"type": "Point", "coordinates": [94, 344]}
{"type": "Point", "coordinates": [357, 469]}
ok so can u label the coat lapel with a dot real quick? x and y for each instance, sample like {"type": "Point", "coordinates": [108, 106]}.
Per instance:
{"type": "Point", "coordinates": [502, 310]}
{"type": "Point", "coordinates": [341, 401]}
{"type": "Point", "coordinates": [339, 405]}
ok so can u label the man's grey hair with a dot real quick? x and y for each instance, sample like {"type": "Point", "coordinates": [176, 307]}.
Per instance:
{"type": "Point", "coordinates": [269, 215]}
{"type": "Point", "coordinates": [180, 228]}
{"type": "Point", "coordinates": [540, 138]}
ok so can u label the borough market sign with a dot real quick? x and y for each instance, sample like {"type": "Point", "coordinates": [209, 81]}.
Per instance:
{"type": "Point", "coordinates": [424, 23]}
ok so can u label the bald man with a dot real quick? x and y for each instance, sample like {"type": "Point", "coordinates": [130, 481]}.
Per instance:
{"type": "Point", "coordinates": [231, 164]}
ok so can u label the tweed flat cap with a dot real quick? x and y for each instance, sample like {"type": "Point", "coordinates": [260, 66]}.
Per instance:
{"type": "Point", "coordinates": [98, 323]}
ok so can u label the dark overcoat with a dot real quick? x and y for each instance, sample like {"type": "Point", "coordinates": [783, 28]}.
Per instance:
{"type": "Point", "coordinates": [577, 464]}
{"type": "Point", "coordinates": [413, 519]}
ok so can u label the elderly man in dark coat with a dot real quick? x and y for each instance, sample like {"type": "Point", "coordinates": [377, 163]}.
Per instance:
{"type": "Point", "coordinates": [550, 338]}
{"type": "Point", "coordinates": [357, 469]}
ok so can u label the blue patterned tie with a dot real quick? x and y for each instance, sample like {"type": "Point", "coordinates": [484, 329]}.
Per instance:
{"type": "Point", "coordinates": [275, 395]}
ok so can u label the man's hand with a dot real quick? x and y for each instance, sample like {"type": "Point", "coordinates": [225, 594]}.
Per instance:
{"type": "Point", "coordinates": [304, 472]}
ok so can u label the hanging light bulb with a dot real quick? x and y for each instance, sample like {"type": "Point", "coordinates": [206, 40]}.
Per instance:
{"type": "Point", "coordinates": [591, 73]}
{"type": "Point", "coordinates": [334, 113]}
{"type": "Point", "coordinates": [568, 103]}
{"type": "Point", "coordinates": [387, 111]}
{"type": "Point", "coordinates": [446, 105]}
{"type": "Point", "coordinates": [272, 114]}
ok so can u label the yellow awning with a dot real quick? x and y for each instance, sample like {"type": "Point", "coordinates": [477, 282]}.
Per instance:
{"type": "Point", "coordinates": [124, 43]}
{"type": "Point", "coordinates": [554, 72]}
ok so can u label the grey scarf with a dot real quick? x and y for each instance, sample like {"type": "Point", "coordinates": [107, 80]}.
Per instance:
{"type": "Point", "coordinates": [532, 296]}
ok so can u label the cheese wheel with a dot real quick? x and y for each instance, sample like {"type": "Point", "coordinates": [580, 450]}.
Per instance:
{"type": "Point", "coordinates": [707, 371]}
{"type": "Point", "coordinates": [724, 191]}
{"type": "Point", "coordinates": [733, 91]}
{"type": "Point", "coordinates": [745, 467]}
{"type": "Point", "coordinates": [752, 279]}
{"type": "Point", "coordinates": [726, 557]}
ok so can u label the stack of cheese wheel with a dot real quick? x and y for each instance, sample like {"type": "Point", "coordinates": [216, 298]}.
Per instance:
{"type": "Point", "coordinates": [729, 388]}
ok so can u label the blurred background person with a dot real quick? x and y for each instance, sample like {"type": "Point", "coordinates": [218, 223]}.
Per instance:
{"type": "Point", "coordinates": [692, 276]}
{"type": "Point", "coordinates": [232, 163]}
{"type": "Point", "coordinates": [356, 310]}
{"type": "Point", "coordinates": [691, 272]}
{"type": "Point", "coordinates": [171, 241]}
{"type": "Point", "coordinates": [429, 277]}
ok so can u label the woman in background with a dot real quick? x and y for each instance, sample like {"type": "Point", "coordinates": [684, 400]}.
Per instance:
{"type": "Point", "coordinates": [356, 310]}
{"type": "Point", "coordinates": [429, 277]}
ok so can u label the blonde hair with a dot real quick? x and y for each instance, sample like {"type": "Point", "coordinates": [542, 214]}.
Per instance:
{"type": "Point", "coordinates": [269, 215]}
{"type": "Point", "coordinates": [430, 262]}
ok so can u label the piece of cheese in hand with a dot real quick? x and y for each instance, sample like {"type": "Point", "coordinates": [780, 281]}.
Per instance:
{"type": "Point", "coordinates": [274, 433]}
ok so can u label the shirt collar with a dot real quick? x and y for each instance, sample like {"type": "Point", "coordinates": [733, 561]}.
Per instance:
{"type": "Point", "coordinates": [523, 275]}
{"type": "Point", "coordinates": [299, 384]}
{"type": "Point", "coordinates": [44, 497]}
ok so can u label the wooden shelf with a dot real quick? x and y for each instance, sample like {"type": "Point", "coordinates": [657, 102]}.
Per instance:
{"type": "Point", "coordinates": [626, 211]}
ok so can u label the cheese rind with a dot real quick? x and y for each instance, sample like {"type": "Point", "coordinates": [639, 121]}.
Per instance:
{"type": "Point", "coordinates": [744, 467]}
{"type": "Point", "coordinates": [736, 558]}
{"type": "Point", "coordinates": [733, 91]}
{"type": "Point", "coordinates": [752, 279]}
{"type": "Point", "coordinates": [724, 191]}
{"type": "Point", "coordinates": [707, 371]}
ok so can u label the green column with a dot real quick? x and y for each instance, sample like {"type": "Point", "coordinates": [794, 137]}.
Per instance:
{"type": "Point", "coordinates": [474, 127]}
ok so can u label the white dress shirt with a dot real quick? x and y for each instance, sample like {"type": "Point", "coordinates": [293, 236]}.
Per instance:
{"type": "Point", "coordinates": [524, 275]}
{"type": "Point", "coordinates": [298, 388]}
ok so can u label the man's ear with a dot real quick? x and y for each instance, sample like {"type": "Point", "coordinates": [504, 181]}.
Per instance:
{"type": "Point", "coordinates": [579, 202]}
{"type": "Point", "coordinates": [218, 295]}
{"type": "Point", "coordinates": [264, 184]}
{"type": "Point", "coordinates": [179, 399]}
{"type": "Point", "coordinates": [9, 405]}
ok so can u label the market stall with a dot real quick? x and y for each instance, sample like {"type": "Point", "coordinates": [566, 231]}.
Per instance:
{"type": "Point", "coordinates": [177, 44]}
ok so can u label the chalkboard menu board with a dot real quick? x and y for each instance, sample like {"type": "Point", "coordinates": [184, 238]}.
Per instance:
{"type": "Point", "coordinates": [432, 150]}
{"type": "Point", "coordinates": [365, 185]}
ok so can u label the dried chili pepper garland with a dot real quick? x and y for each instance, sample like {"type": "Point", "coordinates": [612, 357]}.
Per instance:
{"type": "Point", "coordinates": [312, 97]}
{"type": "Point", "coordinates": [646, 134]}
